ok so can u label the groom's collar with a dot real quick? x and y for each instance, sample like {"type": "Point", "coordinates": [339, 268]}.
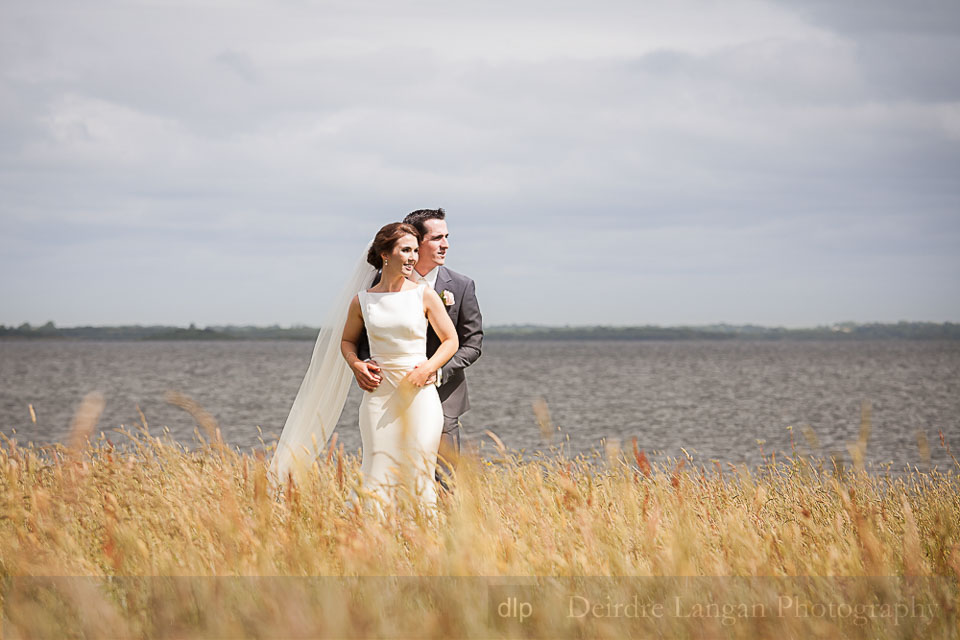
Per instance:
{"type": "Point", "coordinates": [429, 276]}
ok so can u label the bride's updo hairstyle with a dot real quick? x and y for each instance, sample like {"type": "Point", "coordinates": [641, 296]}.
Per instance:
{"type": "Point", "coordinates": [386, 238]}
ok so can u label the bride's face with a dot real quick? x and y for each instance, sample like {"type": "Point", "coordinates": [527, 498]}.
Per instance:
{"type": "Point", "coordinates": [404, 256]}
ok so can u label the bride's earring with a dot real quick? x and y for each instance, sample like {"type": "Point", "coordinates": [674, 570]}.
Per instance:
{"type": "Point", "coordinates": [385, 262]}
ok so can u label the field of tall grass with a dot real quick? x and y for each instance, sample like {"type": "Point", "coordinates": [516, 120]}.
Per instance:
{"type": "Point", "coordinates": [131, 535]}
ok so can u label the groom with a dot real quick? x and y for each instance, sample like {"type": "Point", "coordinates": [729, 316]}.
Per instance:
{"type": "Point", "coordinates": [459, 295]}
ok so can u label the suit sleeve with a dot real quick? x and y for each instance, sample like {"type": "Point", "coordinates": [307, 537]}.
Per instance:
{"type": "Point", "coordinates": [363, 343]}
{"type": "Point", "coordinates": [469, 332]}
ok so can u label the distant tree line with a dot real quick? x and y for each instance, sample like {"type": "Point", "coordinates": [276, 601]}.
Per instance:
{"type": "Point", "coordinates": [844, 331]}
{"type": "Point", "coordinates": [159, 332]}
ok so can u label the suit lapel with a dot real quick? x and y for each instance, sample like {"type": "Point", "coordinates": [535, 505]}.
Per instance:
{"type": "Point", "coordinates": [443, 278]}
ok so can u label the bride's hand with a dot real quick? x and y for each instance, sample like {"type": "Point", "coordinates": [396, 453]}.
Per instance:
{"type": "Point", "coordinates": [367, 373]}
{"type": "Point", "coordinates": [420, 375]}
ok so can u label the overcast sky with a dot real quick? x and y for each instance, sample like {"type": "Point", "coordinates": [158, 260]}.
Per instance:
{"type": "Point", "coordinates": [609, 162]}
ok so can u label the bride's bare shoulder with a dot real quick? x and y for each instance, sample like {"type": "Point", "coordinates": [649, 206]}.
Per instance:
{"type": "Point", "coordinates": [431, 299]}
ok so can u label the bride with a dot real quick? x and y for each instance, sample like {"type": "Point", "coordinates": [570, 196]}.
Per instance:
{"type": "Point", "coordinates": [401, 420]}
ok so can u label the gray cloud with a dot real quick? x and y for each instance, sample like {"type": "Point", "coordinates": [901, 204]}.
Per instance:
{"type": "Point", "coordinates": [906, 50]}
{"type": "Point", "coordinates": [924, 17]}
{"type": "Point", "coordinates": [770, 162]}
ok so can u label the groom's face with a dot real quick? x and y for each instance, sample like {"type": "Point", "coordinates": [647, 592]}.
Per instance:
{"type": "Point", "coordinates": [433, 247]}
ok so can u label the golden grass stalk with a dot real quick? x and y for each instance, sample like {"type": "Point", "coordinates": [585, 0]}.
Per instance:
{"type": "Point", "coordinates": [144, 537]}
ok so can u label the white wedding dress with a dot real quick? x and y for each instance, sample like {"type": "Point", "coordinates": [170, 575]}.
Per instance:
{"type": "Point", "coordinates": [400, 424]}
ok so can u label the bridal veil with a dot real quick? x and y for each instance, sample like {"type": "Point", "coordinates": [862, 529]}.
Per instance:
{"type": "Point", "coordinates": [323, 392]}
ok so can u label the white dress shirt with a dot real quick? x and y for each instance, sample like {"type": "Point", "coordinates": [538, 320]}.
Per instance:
{"type": "Point", "coordinates": [430, 278]}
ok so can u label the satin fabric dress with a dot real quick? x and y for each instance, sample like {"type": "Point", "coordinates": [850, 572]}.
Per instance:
{"type": "Point", "coordinates": [400, 424]}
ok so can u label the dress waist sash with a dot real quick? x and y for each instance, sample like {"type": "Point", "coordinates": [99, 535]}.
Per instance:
{"type": "Point", "coordinates": [395, 367]}
{"type": "Point", "coordinates": [405, 361]}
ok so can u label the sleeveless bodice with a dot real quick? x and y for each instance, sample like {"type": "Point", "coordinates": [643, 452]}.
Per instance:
{"type": "Point", "coordinates": [396, 327]}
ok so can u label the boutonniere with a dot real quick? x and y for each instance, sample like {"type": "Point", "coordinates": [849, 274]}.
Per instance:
{"type": "Point", "coordinates": [447, 297]}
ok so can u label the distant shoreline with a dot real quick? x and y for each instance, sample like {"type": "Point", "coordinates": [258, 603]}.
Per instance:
{"type": "Point", "coordinates": [844, 331]}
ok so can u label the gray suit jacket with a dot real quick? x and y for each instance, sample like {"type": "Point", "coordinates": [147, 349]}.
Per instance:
{"type": "Point", "coordinates": [465, 313]}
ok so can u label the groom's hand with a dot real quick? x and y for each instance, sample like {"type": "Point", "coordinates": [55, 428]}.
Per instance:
{"type": "Point", "coordinates": [367, 373]}
{"type": "Point", "coordinates": [420, 376]}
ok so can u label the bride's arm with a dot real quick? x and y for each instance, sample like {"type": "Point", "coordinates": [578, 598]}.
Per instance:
{"type": "Point", "coordinates": [443, 327]}
{"type": "Point", "coordinates": [364, 372]}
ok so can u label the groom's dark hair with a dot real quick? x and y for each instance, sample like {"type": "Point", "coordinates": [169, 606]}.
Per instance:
{"type": "Point", "coordinates": [420, 216]}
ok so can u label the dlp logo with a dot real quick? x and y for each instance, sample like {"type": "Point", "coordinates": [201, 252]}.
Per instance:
{"type": "Point", "coordinates": [514, 607]}
{"type": "Point", "coordinates": [510, 604]}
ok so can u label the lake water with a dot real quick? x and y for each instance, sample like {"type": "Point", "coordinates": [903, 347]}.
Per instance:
{"type": "Point", "coordinates": [719, 400]}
